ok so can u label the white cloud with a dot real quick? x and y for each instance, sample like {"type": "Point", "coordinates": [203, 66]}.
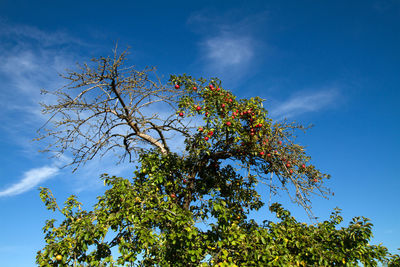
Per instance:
{"type": "Point", "coordinates": [229, 47]}
{"type": "Point", "coordinates": [303, 103]}
{"type": "Point", "coordinates": [22, 33]}
{"type": "Point", "coordinates": [228, 51]}
{"type": "Point", "coordinates": [29, 64]}
{"type": "Point", "coordinates": [31, 179]}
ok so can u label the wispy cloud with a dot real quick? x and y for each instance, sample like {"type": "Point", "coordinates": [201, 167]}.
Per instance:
{"type": "Point", "coordinates": [304, 102]}
{"type": "Point", "coordinates": [23, 33]}
{"type": "Point", "coordinates": [30, 61]}
{"type": "Point", "coordinates": [31, 179]}
{"type": "Point", "coordinates": [229, 47]}
{"type": "Point", "coordinates": [228, 51]}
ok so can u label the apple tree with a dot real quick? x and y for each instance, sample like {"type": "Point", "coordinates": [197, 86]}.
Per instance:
{"type": "Point", "coordinates": [187, 206]}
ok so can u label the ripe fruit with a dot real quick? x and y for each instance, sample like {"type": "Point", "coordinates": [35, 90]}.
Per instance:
{"type": "Point", "coordinates": [230, 100]}
{"type": "Point", "coordinates": [206, 138]}
{"type": "Point", "coordinates": [303, 166]}
{"type": "Point", "coordinates": [173, 195]}
{"type": "Point", "coordinates": [262, 153]}
{"type": "Point", "coordinates": [210, 133]}
{"type": "Point", "coordinates": [211, 86]}
{"type": "Point", "coordinates": [201, 129]}
{"type": "Point", "coordinates": [315, 180]}
{"type": "Point", "coordinates": [268, 155]}
{"type": "Point", "coordinates": [194, 88]}
{"type": "Point", "coordinates": [58, 257]}
{"type": "Point", "coordinates": [228, 123]}
{"type": "Point", "coordinates": [181, 114]}
{"type": "Point", "coordinates": [260, 125]}
{"type": "Point", "coordinates": [177, 86]}
{"type": "Point", "coordinates": [280, 142]}
{"type": "Point", "coordinates": [223, 105]}
{"type": "Point", "coordinates": [218, 89]}
{"type": "Point", "coordinates": [207, 114]}
{"type": "Point", "coordinates": [291, 171]}
{"type": "Point", "coordinates": [198, 108]}
{"type": "Point", "coordinates": [288, 165]}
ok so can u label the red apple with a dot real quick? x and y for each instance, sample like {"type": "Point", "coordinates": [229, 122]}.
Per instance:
{"type": "Point", "coordinates": [194, 88]}
{"type": "Point", "coordinates": [268, 155]}
{"type": "Point", "coordinates": [207, 114]}
{"type": "Point", "coordinates": [223, 105]}
{"type": "Point", "coordinates": [303, 166]}
{"type": "Point", "coordinates": [206, 138]}
{"type": "Point", "coordinates": [181, 114]}
{"type": "Point", "coordinates": [228, 123]}
{"type": "Point", "coordinates": [198, 108]}
{"type": "Point", "coordinates": [280, 142]}
{"type": "Point", "coordinates": [262, 153]}
{"type": "Point", "coordinates": [201, 129]}
{"type": "Point", "coordinates": [291, 171]}
{"type": "Point", "coordinates": [177, 86]}
{"type": "Point", "coordinates": [288, 165]}
{"type": "Point", "coordinates": [210, 133]}
{"type": "Point", "coordinates": [173, 195]}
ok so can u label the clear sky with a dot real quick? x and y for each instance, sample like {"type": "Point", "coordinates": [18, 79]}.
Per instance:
{"type": "Point", "coordinates": [334, 64]}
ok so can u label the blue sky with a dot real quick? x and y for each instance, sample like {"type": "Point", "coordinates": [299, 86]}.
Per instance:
{"type": "Point", "coordinates": [333, 64]}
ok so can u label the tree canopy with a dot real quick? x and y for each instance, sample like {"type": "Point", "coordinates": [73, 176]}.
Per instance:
{"type": "Point", "coordinates": [186, 207]}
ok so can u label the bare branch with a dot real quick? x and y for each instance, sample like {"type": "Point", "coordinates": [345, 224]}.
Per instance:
{"type": "Point", "coordinates": [102, 108]}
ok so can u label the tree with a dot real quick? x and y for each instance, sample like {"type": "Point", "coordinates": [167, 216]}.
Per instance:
{"type": "Point", "coordinates": [153, 218]}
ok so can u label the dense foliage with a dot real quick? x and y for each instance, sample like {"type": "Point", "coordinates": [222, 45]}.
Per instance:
{"type": "Point", "coordinates": [189, 208]}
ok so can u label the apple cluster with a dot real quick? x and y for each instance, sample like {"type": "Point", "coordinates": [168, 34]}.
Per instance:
{"type": "Point", "coordinates": [242, 130]}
